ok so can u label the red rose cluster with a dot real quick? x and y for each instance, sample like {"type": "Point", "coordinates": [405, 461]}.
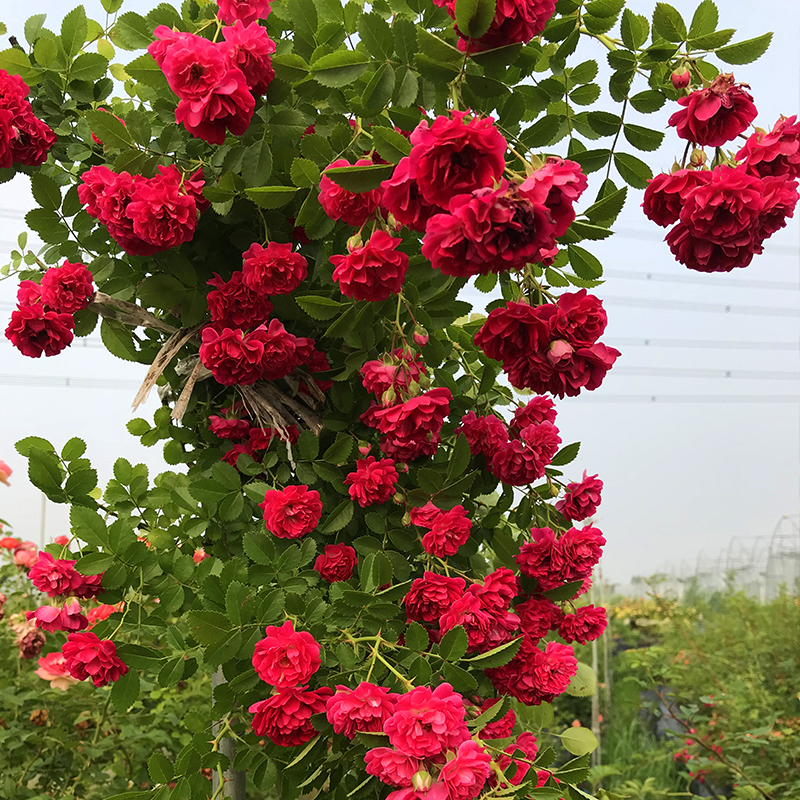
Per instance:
{"type": "Point", "coordinates": [57, 577]}
{"type": "Point", "coordinates": [286, 659]}
{"type": "Point", "coordinates": [514, 23]}
{"type": "Point", "coordinates": [373, 481]}
{"type": "Point", "coordinates": [447, 530]}
{"type": "Point", "coordinates": [144, 215]}
{"type": "Point", "coordinates": [215, 81]}
{"type": "Point", "coordinates": [66, 618]}
{"type": "Point", "coordinates": [516, 454]}
{"type": "Point", "coordinates": [552, 347]}
{"type": "Point", "coordinates": [24, 138]}
{"type": "Point", "coordinates": [43, 321]}
{"type": "Point", "coordinates": [725, 215]}
{"type": "Point", "coordinates": [581, 499]}
{"type": "Point", "coordinates": [87, 656]}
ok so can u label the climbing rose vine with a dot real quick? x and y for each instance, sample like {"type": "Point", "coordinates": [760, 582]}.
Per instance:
{"type": "Point", "coordinates": [346, 243]}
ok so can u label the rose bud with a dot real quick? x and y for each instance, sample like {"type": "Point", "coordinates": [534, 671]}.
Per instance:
{"type": "Point", "coordinates": [681, 78]}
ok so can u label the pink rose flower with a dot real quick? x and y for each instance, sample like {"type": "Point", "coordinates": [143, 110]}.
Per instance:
{"type": "Point", "coordinates": [292, 512]}
{"type": "Point", "coordinates": [286, 658]}
{"type": "Point", "coordinates": [364, 708]}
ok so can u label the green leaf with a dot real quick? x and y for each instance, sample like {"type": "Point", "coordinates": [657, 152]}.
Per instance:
{"type": "Point", "coordinates": [498, 656]}
{"type": "Point", "coordinates": [579, 741]}
{"type": "Point", "coordinates": [74, 29]}
{"type": "Point", "coordinates": [492, 713]}
{"type": "Point", "coordinates": [33, 27]}
{"type": "Point", "coordinates": [160, 768]}
{"type": "Point", "coordinates": [607, 209]}
{"type": "Point", "coordinates": [88, 67]}
{"type": "Point", "coordinates": [565, 592]}
{"type": "Point", "coordinates": [319, 307]}
{"type": "Point", "coordinates": [172, 671]}
{"type": "Point", "coordinates": [339, 451]}
{"type": "Point", "coordinates": [746, 51]}
{"type": "Point", "coordinates": [258, 547]}
{"type": "Point", "coordinates": [45, 191]}
{"type": "Point", "coordinates": [340, 68]}
{"type": "Point", "coordinates": [109, 130]}
{"type": "Point", "coordinates": [88, 526]}
{"type": "Point", "coordinates": [16, 62]}
{"type": "Point", "coordinates": [668, 23]}
{"type": "Point", "coordinates": [376, 35]}
{"type": "Point", "coordinates": [643, 138]}
{"type": "Point", "coordinates": [705, 19]}
{"type": "Point", "coordinates": [360, 178]}
{"type": "Point", "coordinates": [235, 598]}
{"type": "Point", "coordinates": [437, 49]}
{"type": "Point", "coordinates": [304, 173]}
{"type": "Point", "coordinates": [308, 445]}
{"type": "Point", "coordinates": [338, 518]}
{"type": "Point", "coordinates": [379, 90]}
{"type": "Point", "coordinates": [209, 627]}
{"type": "Point", "coordinates": [584, 263]}
{"type": "Point", "coordinates": [94, 563]}
{"type": "Point", "coordinates": [132, 32]}
{"type": "Point", "coordinates": [575, 771]}
{"type": "Point", "coordinates": [257, 164]}
{"type": "Point", "coordinates": [474, 17]}
{"type": "Point", "coordinates": [585, 95]}
{"type": "Point", "coordinates": [390, 144]}
{"type": "Point", "coordinates": [633, 170]}
{"type": "Point", "coordinates": [417, 637]}
{"type": "Point", "coordinates": [45, 473]}
{"type": "Point", "coordinates": [583, 683]}
{"type": "Point", "coordinates": [567, 454]}
{"type": "Point", "coordinates": [271, 196]}
{"type": "Point", "coordinates": [454, 644]}
{"type": "Point", "coordinates": [648, 101]}
{"type": "Point", "coordinates": [290, 67]}
{"type": "Point", "coordinates": [634, 29]}
{"type": "Point", "coordinates": [125, 691]}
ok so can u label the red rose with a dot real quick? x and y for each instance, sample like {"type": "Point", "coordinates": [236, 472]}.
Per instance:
{"type": "Point", "coordinates": [229, 426]}
{"type": "Point", "coordinates": [86, 656]}
{"type": "Point", "coordinates": [499, 728]}
{"type": "Point", "coordinates": [426, 515]}
{"type": "Point", "coordinates": [274, 269]}
{"type": "Point", "coordinates": [522, 461]}
{"type": "Point", "coordinates": [537, 617]}
{"type": "Point", "coordinates": [233, 304]}
{"type": "Point", "coordinates": [716, 115]}
{"type": "Point", "coordinates": [484, 434]}
{"type": "Point", "coordinates": [229, 107]}
{"type": "Point", "coordinates": [402, 198]}
{"type": "Point", "coordinates": [193, 66]}
{"type": "Point", "coordinates": [780, 197]}
{"type": "Point", "coordinates": [33, 139]}
{"type": "Point", "coordinates": [286, 658]}
{"type": "Point", "coordinates": [336, 563]}
{"type": "Point", "coordinates": [581, 549]}
{"type": "Point", "coordinates": [514, 22]}
{"type": "Point", "coordinates": [163, 213]}
{"type": "Point", "coordinates": [101, 612]}
{"type": "Point", "coordinates": [246, 11]}
{"type": "Point", "coordinates": [499, 588]}
{"type": "Point", "coordinates": [514, 329]}
{"type": "Point", "coordinates": [232, 456]}
{"type": "Point", "coordinates": [666, 193]}
{"type": "Point", "coordinates": [542, 442]}
{"type": "Point", "coordinates": [585, 625]}
{"type": "Point", "coordinates": [280, 351]}
{"type": "Point", "coordinates": [28, 293]}
{"type": "Point", "coordinates": [34, 331]}
{"type": "Point", "coordinates": [467, 773]}
{"type": "Point", "coordinates": [538, 410]}
{"type": "Point", "coordinates": [249, 48]}
{"type": "Point", "coordinates": [391, 766]}
{"type": "Point", "coordinates": [352, 208]}
{"type": "Point", "coordinates": [456, 155]}
{"type": "Point", "coordinates": [12, 87]}
{"type": "Point", "coordinates": [424, 413]}
{"type": "Point", "coordinates": [556, 186]}
{"type": "Point", "coordinates": [364, 708]}
{"type": "Point", "coordinates": [776, 152]}
{"type": "Point", "coordinates": [404, 450]}
{"type": "Point", "coordinates": [581, 499]}
{"type": "Point", "coordinates": [292, 512]}
{"type": "Point", "coordinates": [233, 356]}
{"type": "Point", "coordinates": [430, 596]}
{"type": "Point", "coordinates": [705, 256]}
{"type": "Point", "coordinates": [68, 288]}
{"type": "Point", "coordinates": [543, 559]}
{"type": "Point", "coordinates": [374, 271]}
{"type": "Point", "coordinates": [427, 723]}
{"type": "Point", "coordinates": [166, 37]}
{"type": "Point", "coordinates": [580, 318]}
{"type": "Point", "coordinates": [7, 134]}
{"type": "Point", "coordinates": [373, 481]}
{"type": "Point", "coordinates": [450, 530]}
{"type": "Point", "coordinates": [397, 371]}
{"type": "Point", "coordinates": [53, 618]}
{"type": "Point", "coordinates": [285, 718]}
{"type": "Point", "coordinates": [470, 615]}
{"type": "Point", "coordinates": [51, 576]}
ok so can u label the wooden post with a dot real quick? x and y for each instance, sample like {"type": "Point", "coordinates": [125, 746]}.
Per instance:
{"type": "Point", "coordinates": [234, 779]}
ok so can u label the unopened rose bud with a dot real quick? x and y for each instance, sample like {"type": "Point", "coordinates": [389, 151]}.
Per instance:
{"type": "Point", "coordinates": [354, 241]}
{"type": "Point", "coordinates": [414, 388]}
{"type": "Point", "coordinates": [62, 540]}
{"type": "Point", "coordinates": [420, 336]}
{"type": "Point", "coordinates": [421, 781]}
{"type": "Point", "coordinates": [402, 468]}
{"type": "Point", "coordinates": [389, 396]}
{"type": "Point", "coordinates": [681, 78]}
{"type": "Point", "coordinates": [553, 490]}
{"type": "Point", "coordinates": [698, 158]}
{"type": "Point", "coordinates": [424, 381]}
{"type": "Point", "coordinates": [364, 448]}
{"type": "Point", "coordinates": [406, 519]}
{"type": "Point", "coordinates": [397, 499]}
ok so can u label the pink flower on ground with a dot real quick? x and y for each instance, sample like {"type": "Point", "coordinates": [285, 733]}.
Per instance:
{"type": "Point", "coordinates": [364, 708]}
{"type": "Point", "coordinates": [286, 658]}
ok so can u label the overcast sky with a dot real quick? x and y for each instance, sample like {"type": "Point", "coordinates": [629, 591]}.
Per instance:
{"type": "Point", "coordinates": [696, 445]}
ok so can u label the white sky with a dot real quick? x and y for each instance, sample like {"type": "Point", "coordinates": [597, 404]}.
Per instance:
{"type": "Point", "coordinates": [680, 477]}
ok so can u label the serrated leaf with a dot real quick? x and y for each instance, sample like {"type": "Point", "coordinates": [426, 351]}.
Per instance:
{"type": "Point", "coordinates": [339, 451]}
{"type": "Point", "coordinates": [704, 20]}
{"type": "Point", "coordinates": [109, 130]}
{"type": "Point", "coordinates": [132, 32]}
{"type": "Point", "coordinates": [319, 307]}
{"type": "Point", "coordinates": [633, 170]}
{"type": "Point", "coordinates": [338, 518]}
{"type": "Point", "coordinates": [235, 598]}
{"type": "Point", "coordinates": [94, 563]}
{"type": "Point", "coordinates": [125, 691]}
{"type": "Point", "coordinates": [88, 67]}
{"type": "Point", "coordinates": [498, 656]}
{"type": "Point", "coordinates": [648, 101]}
{"type": "Point", "coordinates": [584, 263]}
{"type": "Point", "coordinates": [390, 144]}
{"type": "Point", "coordinates": [565, 592]}
{"type": "Point", "coordinates": [209, 627]}
{"type": "Point", "coordinates": [271, 196]}
{"type": "Point", "coordinates": [747, 51]}
{"type": "Point", "coordinates": [74, 29]}
{"type": "Point", "coordinates": [454, 644]}
{"type": "Point", "coordinates": [668, 23]}
{"type": "Point", "coordinates": [643, 138]}
{"type": "Point", "coordinates": [567, 454]}
{"type": "Point", "coordinates": [340, 68]}
{"type": "Point", "coordinates": [45, 191]}
{"type": "Point", "coordinates": [474, 17]}
{"type": "Point", "coordinates": [290, 67]}
{"type": "Point", "coordinates": [161, 769]}
{"type": "Point", "coordinates": [304, 173]}
{"type": "Point", "coordinates": [416, 637]}
{"type": "Point", "coordinates": [494, 711]}
{"type": "Point", "coordinates": [88, 526]}
{"type": "Point", "coordinates": [375, 33]}
{"type": "Point", "coordinates": [634, 29]}
{"type": "Point", "coordinates": [607, 209]}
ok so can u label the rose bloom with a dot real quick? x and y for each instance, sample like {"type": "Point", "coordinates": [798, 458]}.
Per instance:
{"type": "Point", "coordinates": [467, 612]}
{"type": "Point", "coordinates": [395, 371]}
{"type": "Point", "coordinates": [229, 427]}
{"type": "Point", "coordinates": [68, 288]}
{"type": "Point", "coordinates": [193, 66]}
{"type": "Point", "coordinates": [557, 186]}
{"type": "Point", "coordinates": [580, 318]}
{"type": "Point", "coordinates": [543, 558]}
{"type": "Point", "coordinates": [483, 434]}
{"type": "Point", "coordinates": [286, 658]}
{"type": "Point", "coordinates": [403, 200]}
{"type": "Point", "coordinates": [581, 499]}
{"type": "Point", "coordinates": [292, 512]}
{"type": "Point", "coordinates": [233, 304]}
{"type": "Point", "coordinates": [232, 456]}
{"type": "Point", "coordinates": [246, 11]}
{"type": "Point", "coordinates": [34, 331]}
{"type": "Point", "coordinates": [234, 357]}
{"type": "Point", "coordinates": [336, 563]}
{"type": "Point", "coordinates": [426, 515]}
{"type": "Point", "coordinates": [538, 616]}
{"type": "Point", "coordinates": [33, 139]}
{"type": "Point", "coordinates": [9, 543]}
{"type": "Point", "coordinates": [249, 48]}
{"type": "Point", "coordinates": [702, 255]}
{"type": "Point", "coordinates": [87, 656]}
{"type": "Point", "coordinates": [199, 555]}
{"type": "Point", "coordinates": [776, 152]}
{"type": "Point", "coordinates": [424, 413]}
{"type": "Point", "coordinates": [285, 718]}
{"type": "Point", "coordinates": [25, 554]}
{"type": "Point", "coordinates": [391, 766]}
{"type": "Point", "coordinates": [515, 22]}
{"type": "Point", "coordinates": [53, 668]}
{"type": "Point", "coordinates": [497, 728]}
{"type": "Point", "coordinates": [515, 329]}
{"type": "Point", "coordinates": [517, 464]}
{"type": "Point", "coordinates": [581, 550]}
{"type": "Point", "coordinates": [30, 643]}
{"type": "Point", "coordinates": [102, 611]}
{"type": "Point", "coordinates": [66, 618]}
{"type": "Point", "coordinates": [352, 208]}
{"type": "Point", "coordinates": [666, 193]}
{"type": "Point", "coordinates": [374, 271]}
{"type": "Point", "coordinates": [274, 269]}
{"type": "Point", "coordinates": [404, 450]}
{"type": "Point", "coordinates": [585, 625]}
{"type": "Point", "coordinates": [431, 595]}
{"type": "Point", "coordinates": [535, 412]}
{"type": "Point", "coordinates": [456, 155]}
{"type": "Point", "coordinates": [716, 115]}
{"type": "Point", "coordinates": [780, 197]}
{"type": "Point", "coordinates": [426, 723]}
{"type": "Point", "coordinates": [364, 708]}
{"type": "Point", "coordinates": [448, 533]}
{"type": "Point", "coordinates": [373, 481]}
{"type": "Point", "coordinates": [53, 576]}
{"type": "Point", "coordinates": [466, 774]}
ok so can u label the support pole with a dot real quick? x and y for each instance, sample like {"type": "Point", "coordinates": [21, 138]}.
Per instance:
{"type": "Point", "coordinates": [234, 779]}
